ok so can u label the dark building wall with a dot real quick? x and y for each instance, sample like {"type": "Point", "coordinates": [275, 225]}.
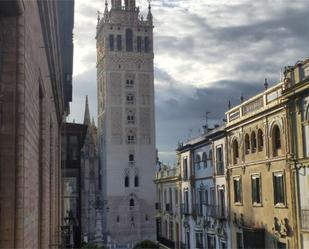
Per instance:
{"type": "Point", "coordinates": [31, 112]}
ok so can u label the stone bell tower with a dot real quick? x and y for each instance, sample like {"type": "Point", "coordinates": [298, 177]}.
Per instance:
{"type": "Point", "coordinates": [126, 123]}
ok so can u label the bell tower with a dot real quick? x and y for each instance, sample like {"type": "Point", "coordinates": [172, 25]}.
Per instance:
{"type": "Point", "coordinates": [126, 123]}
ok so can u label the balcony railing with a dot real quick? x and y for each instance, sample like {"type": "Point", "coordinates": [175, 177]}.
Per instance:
{"type": "Point", "coordinates": [166, 242]}
{"type": "Point", "coordinates": [304, 218]}
{"type": "Point", "coordinates": [184, 209]}
{"type": "Point", "coordinates": [215, 211]}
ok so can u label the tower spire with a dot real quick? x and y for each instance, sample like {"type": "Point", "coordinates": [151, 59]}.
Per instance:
{"type": "Point", "coordinates": [87, 113]}
{"type": "Point", "coordinates": [149, 15]}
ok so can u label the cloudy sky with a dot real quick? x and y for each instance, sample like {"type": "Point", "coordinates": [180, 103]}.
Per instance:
{"type": "Point", "coordinates": [207, 52]}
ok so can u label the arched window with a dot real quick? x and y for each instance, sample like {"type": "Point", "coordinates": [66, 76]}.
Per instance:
{"type": "Point", "coordinates": [197, 161]}
{"type": "Point", "coordinates": [119, 43]}
{"type": "Point", "coordinates": [130, 117]}
{"type": "Point", "coordinates": [260, 140]}
{"type": "Point", "coordinates": [253, 142]}
{"type": "Point", "coordinates": [126, 181]}
{"type": "Point", "coordinates": [129, 40]}
{"type": "Point", "coordinates": [131, 138]}
{"type": "Point", "coordinates": [247, 144]}
{"type": "Point", "coordinates": [276, 140]}
{"type": "Point", "coordinates": [111, 43]}
{"type": "Point", "coordinates": [136, 181]}
{"type": "Point", "coordinates": [204, 159]}
{"type": "Point", "coordinates": [131, 158]}
{"type": "Point", "coordinates": [235, 151]}
{"type": "Point", "coordinates": [147, 45]}
{"type": "Point", "coordinates": [131, 202]}
{"type": "Point", "coordinates": [130, 99]}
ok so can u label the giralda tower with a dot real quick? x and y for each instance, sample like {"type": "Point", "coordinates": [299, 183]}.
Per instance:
{"type": "Point", "coordinates": [126, 124]}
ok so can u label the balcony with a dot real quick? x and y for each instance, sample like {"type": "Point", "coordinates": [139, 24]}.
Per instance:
{"type": "Point", "coordinates": [304, 219]}
{"type": "Point", "coordinates": [216, 212]}
{"type": "Point", "coordinates": [166, 242]}
{"type": "Point", "coordinates": [184, 209]}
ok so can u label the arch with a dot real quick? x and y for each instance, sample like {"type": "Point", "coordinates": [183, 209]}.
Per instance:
{"type": "Point", "coordinates": [197, 160]}
{"type": "Point", "coordinates": [276, 139]}
{"type": "Point", "coordinates": [247, 144]}
{"type": "Point", "coordinates": [235, 150]}
{"type": "Point", "coordinates": [126, 181]}
{"type": "Point", "coordinates": [129, 40]}
{"type": "Point", "coordinates": [260, 141]}
{"type": "Point", "coordinates": [131, 137]}
{"type": "Point", "coordinates": [131, 157]}
{"type": "Point", "coordinates": [253, 142]}
{"type": "Point", "coordinates": [132, 203]}
{"type": "Point", "coordinates": [136, 181]}
{"type": "Point", "coordinates": [204, 159]}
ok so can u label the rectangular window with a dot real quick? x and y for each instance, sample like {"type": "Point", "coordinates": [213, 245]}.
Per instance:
{"type": "Point", "coordinates": [176, 196]}
{"type": "Point", "coordinates": [256, 189]}
{"type": "Point", "coordinates": [185, 168]}
{"type": "Point", "coordinates": [139, 44]}
{"type": "Point", "coordinates": [111, 42]}
{"type": "Point", "coordinates": [129, 83]}
{"type": "Point", "coordinates": [171, 231]}
{"type": "Point", "coordinates": [219, 161]}
{"type": "Point", "coordinates": [198, 240]}
{"type": "Point", "coordinates": [200, 202]}
{"type": "Point", "coordinates": [130, 99]}
{"type": "Point", "coordinates": [119, 43]}
{"type": "Point", "coordinates": [278, 182]}
{"type": "Point", "coordinates": [221, 202]}
{"type": "Point", "coordinates": [147, 46]}
{"type": "Point", "coordinates": [239, 240]}
{"type": "Point", "coordinates": [237, 189]}
{"type": "Point", "coordinates": [211, 242]}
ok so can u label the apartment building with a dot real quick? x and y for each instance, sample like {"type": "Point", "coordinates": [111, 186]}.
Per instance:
{"type": "Point", "coordinates": [168, 216]}
{"type": "Point", "coordinates": [258, 149]}
{"type": "Point", "coordinates": [296, 93]}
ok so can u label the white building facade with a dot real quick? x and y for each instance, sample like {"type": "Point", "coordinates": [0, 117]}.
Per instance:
{"type": "Point", "coordinates": [204, 191]}
{"type": "Point", "coordinates": [126, 129]}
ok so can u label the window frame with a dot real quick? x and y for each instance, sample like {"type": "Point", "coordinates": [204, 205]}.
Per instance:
{"type": "Point", "coordinates": [282, 174]}
{"type": "Point", "coordinates": [253, 177]}
{"type": "Point", "coordinates": [239, 179]}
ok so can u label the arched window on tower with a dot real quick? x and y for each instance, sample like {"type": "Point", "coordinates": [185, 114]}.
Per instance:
{"type": "Point", "coordinates": [139, 44]}
{"type": "Point", "coordinates": [136, 181]}
{"type": "Point", "coordinates": [247, 144]}
{"type": "Point", "coordinates": [129, 40]}
{"type": "Point", "coordinates": [276, 140]}
{"type": "Point", "coordinates": [131, 137]}
{"type": "Point", "coordinates": [126, 181]}
{"type": "Point", "coordinates": [111, 43]}
{"type": "Point", "coordinates": [147, 44]}
{"type": "Point", "coordinates": [119, 43]}
{"type": "Point", "coordinates": [260, 140]}
{"type": "Point", "coordinates": [204, 159]}
{"type": "Point", "coordinates": [253, 142]}
{"type": "Point", "coordinates": [132, 202]}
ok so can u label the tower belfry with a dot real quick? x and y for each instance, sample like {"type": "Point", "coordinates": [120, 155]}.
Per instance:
{"type": "Point", "coordinates": [126, 123]}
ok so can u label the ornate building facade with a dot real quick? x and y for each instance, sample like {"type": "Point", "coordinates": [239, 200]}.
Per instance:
{"type": "Point", "coordinates": [258, 148]}
{"type": "Point", "coordinates": [36, 52]}
{"type": "Point", "coordinates": [296, 92]}
{"type": "Point", "coordinates": [126, 127]}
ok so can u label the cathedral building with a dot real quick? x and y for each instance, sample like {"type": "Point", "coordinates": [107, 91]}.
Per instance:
{"type": "Point", "coordinates": [126, 124]}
